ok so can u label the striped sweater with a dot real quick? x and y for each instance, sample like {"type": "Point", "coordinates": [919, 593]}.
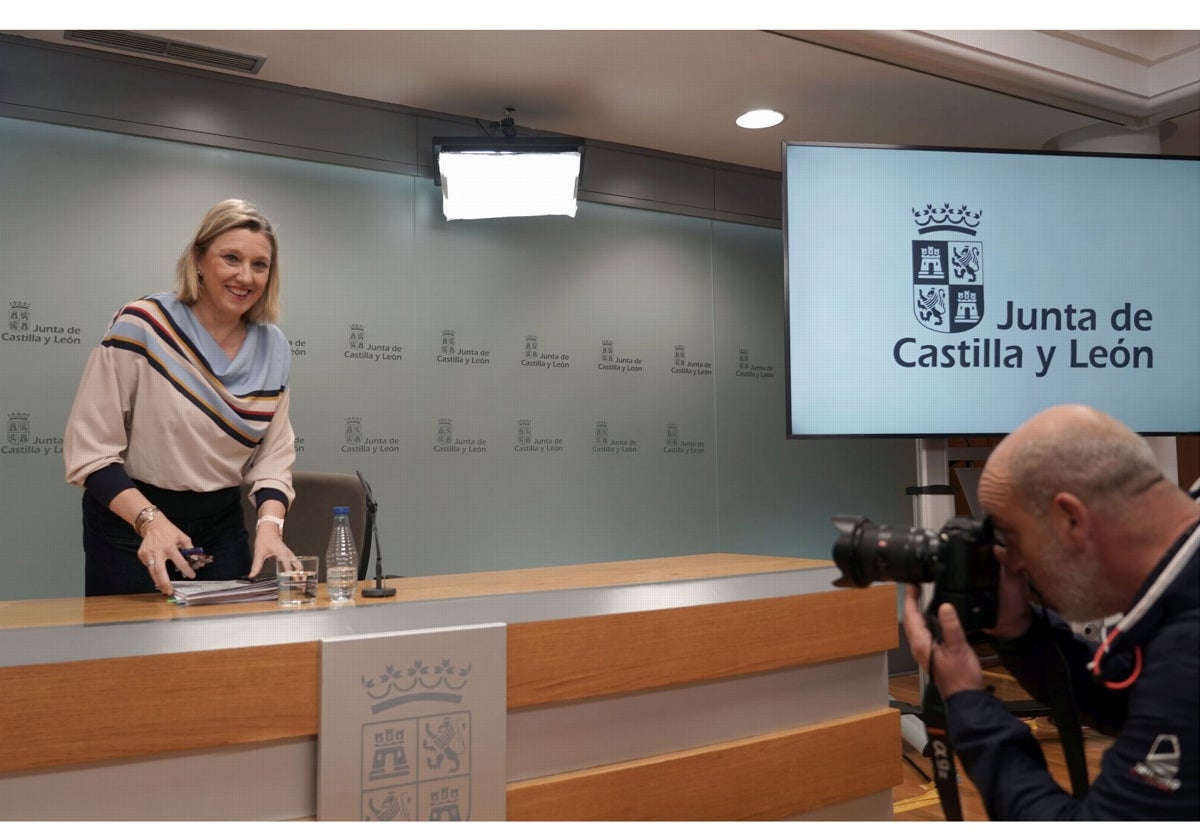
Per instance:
{"type": "Point", "coordinates": [160, 402]}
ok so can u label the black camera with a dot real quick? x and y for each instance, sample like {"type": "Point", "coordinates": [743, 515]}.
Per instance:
{"type": "Point", "coordinates": [958, 560]}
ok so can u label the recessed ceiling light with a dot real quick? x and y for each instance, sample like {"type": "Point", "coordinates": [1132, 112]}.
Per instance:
{"type": "Point", "coordinates": [763, 118]}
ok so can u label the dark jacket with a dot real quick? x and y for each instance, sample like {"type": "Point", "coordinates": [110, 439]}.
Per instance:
{"type": "Point", "coordinates": [1152, 769]}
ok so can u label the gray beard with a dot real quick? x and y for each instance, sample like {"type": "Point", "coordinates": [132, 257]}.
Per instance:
{"type": "Point", "coordinates": [1074, 590]}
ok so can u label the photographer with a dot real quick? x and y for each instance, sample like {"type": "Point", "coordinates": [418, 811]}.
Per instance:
{"type": "Point", "coordinates": [1090, 529]}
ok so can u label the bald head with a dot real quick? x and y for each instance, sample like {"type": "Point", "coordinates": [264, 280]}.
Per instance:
{"type": "Point", "coordinates": [1083, 509]}
{"type": "Point", "coordinates": [1076, 449]}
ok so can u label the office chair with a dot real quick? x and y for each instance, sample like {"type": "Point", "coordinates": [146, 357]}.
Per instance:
{"type": "Point", "coordinates": [310, 517]}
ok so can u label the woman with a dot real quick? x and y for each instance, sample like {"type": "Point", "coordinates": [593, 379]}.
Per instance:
{"type": "Point", "coordinates": [184, 401]}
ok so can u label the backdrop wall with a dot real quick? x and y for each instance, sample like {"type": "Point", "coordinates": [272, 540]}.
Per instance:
{"type": "Point", "coordinates": [519, 393]}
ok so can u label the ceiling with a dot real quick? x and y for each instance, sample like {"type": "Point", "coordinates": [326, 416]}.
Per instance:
{"type": "Point", "coordinates": [679, 91]}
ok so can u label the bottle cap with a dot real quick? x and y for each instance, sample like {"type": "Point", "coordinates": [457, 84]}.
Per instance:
{"type": "Point", "coordinates": [341, 510]}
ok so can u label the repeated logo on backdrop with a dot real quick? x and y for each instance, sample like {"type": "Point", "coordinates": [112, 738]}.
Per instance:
{"type": "Point", "coordinates": [23, 328]}
{"type": "Point", "coordinates": [677, 444]}
{"type": "Point", "coordinates": [538, 358]}
{"type": "Point", "coordinates": [539, 444]}
{"type": "Point", "coordinates": [529, 439]}
{"type": "Point", "coordinates": [748, 369]}
{"type": "Point", "coordinates": [358, 442]}
{"type": "Point", "coordinates": [611, 360]}
{"type": "Point", "coordinates": [20, 438]}
{"type": "Point", "coordinates": [681, 365]}
{"type": "Point", "coordinates": [452, 352]}
{"type": "Point", "coordinates": [448, 443]}
{"type": "Point", "coordinates": [608, 444]}
{"type": "Point", "coordinates": [362, 348]}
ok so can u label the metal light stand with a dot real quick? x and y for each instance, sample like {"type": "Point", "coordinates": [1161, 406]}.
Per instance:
{"type": "Point", "coordinates": [930, 510]}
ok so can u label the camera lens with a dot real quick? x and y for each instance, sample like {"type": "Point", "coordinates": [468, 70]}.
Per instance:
{"type": "Point", "coordinates": [865, 552]}
{"type": "Point", "coordinates": [958, 560]}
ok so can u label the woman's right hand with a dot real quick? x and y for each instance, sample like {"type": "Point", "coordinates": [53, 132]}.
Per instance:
{"type": "Point", "coordinates": [161, 542]}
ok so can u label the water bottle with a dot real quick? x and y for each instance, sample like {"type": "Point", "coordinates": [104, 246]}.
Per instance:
{"type": "Point", "coordinates": [341, 559]}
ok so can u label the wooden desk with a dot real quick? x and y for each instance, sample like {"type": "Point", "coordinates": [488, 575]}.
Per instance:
{"type": "Point", "coordinates": [780, 681]}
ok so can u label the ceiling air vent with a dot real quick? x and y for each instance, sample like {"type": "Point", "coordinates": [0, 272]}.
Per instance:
{"type": "Point", "coordinates": [136, 42]}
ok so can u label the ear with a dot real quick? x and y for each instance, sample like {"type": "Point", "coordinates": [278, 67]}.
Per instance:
{"type": "Point", "coordinates": [1072, 519]}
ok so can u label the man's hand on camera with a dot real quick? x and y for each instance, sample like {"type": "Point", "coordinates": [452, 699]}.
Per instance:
{"type": "Point", "coordinates": [1014, 614]}
{"type": "Point", "coordinates": [952, 662]}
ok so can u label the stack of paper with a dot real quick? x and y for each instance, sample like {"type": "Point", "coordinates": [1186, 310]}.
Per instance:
{"type": "Point", "coordinates": [196, 592]}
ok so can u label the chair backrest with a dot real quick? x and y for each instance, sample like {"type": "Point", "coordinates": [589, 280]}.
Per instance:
{"type": "Point", "coordinates": [310, 517]}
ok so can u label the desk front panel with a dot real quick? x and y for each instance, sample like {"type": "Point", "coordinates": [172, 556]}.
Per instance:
{"type": "Point", "coordinates": [726, 687]}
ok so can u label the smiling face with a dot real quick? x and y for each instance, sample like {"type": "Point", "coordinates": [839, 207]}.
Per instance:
{"type": "Point", "coordinates": [233, 272]}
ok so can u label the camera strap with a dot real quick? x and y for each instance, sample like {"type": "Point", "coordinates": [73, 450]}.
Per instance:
{"type": "Point", "coordinates": [1066, 718]}
{"type": "Point", "coordinates": [941, 753]}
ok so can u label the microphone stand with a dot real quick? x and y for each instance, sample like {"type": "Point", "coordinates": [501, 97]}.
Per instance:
{"type": "Point", "coordinates": [378, 590]}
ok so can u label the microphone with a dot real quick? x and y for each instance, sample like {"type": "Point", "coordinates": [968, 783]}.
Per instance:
{"type": "Point", "coordinates": [372, 529]}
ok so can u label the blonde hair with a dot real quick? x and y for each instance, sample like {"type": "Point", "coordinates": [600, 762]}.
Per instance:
{"type": "Point", "coordinates": [228, 215]}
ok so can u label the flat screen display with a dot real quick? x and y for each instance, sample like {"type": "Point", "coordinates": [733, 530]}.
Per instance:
{"type": "Point", "coordinates": [937, 292]}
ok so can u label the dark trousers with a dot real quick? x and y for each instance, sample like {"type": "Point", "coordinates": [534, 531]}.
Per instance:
{"type": "Point", "coordinates": [212, 520]}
